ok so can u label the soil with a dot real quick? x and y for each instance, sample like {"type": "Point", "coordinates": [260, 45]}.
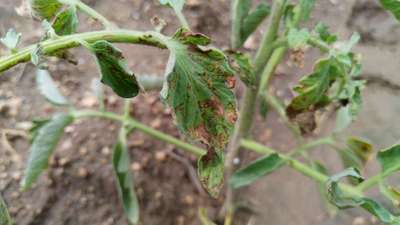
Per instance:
{"type": "Point", "coordinates": [78, 187]}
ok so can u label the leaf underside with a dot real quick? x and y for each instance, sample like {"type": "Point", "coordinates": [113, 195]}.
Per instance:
{"type": "Point", "coordinates": [48, 89]}
{"type": "Point", "coordinates": [114, 70]}
{"type": "Point", "coordinates": [44, 143]}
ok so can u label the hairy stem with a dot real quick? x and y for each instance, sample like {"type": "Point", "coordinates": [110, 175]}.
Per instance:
{"type": "Point", "coordinates": [70, 41]}
{"type": "Point", "coordinates": [249, 100]}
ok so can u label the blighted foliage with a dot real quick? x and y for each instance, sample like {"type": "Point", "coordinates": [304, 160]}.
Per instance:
{"type": "Point", "coordinates": [199, 89]}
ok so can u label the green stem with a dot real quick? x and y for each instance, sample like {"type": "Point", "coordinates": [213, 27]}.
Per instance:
{"type": "Point", "coordinates": [367, 184]}
{"type": "Point", "coordinates": [90, 12]}
{"type": "Point", "coordinates": [182, 19]}
{"type": "Point", "coordinates": [297, 165]}
{"type": "Point", "coordinates": [70, 41]}
{"type": "Point", "coordinates": [145, 129]}
{"type": "Point", "coordinates": [236, 41]}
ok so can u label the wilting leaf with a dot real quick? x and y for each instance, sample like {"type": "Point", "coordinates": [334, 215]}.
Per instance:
{"type": "Point", "coordinates": [11, 39]}
{"type": "Point", "coordinates": [43, 146]}
{"type": "Point", "coordinates": [323, 33]}
{"type": "Point", "coordinates": [48, 88]}
{"type": "Point", "coordinates": [44, 9]}
{"type": "Point", "coordinates": [114, 70]}
{"type": "Point", "coordinates": [211, 172]}
{"type": "Point", "coordinates": [390, 159]}
{"type": "Point", "coordinates": [4, 215]}
{"type": "Point", "coordinates": [298, 38]}
{"type": "Point", "coordinates": [176, 4]}
{"type": "Point", "coordinates": [346, 200]}
{"type": "Point", "coordinates": [204, 217]}
{"type": "Point", "coordinates": [121, 164]}
{"type": "Point", "coordinates": [253, 20]}
{"type": "Point", "coordinates": [66, 21]}
{"type": "Point", "coordinates": [313, 89]}
{"type": "Point", "coordinates": [393, 6]}
{"type": "Point", "coordinates": [198, 87]}
{"type": "Point", "coordinates": [255, 170]}
{"type": "Point", "coordinates": [242, 64]}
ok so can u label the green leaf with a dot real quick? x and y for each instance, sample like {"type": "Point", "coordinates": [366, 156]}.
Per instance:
{"type": "Point", "coordinates": [121, 165]}
{"type": "Point", "coordinates": [253, 20]}
{"type": "Point", "coordinates": [393, 6]}
{"type": "Point", "coordinates": [345, 200]}
{"type": "Point", "coordinates": [176, 4]}
{"type": "Point", "coordinates": [66, 22]}
{"type": "Point", "coordinates": [43, 146]}
{"type": "Point", "coordinates": [5, 218]}
{"type": "Point", "coordinates": [44, 9]}
{"type": "Point", "coordinates": [255, 170]}
{"type": "Point", "coordinates": [304, 9]}
{"type": "Point", "coordinates": [391, 193]}
{"type": "Point", "coordinates": [343, 118]}
{"type": "Point", "coordinates": [48, 88]}
{"type": "Point", "coordinates": [37, 124]}
{"type": "Point", "coordinates": [211, 172]}
{"type": "Point", "coordinates": [241, 63]}
{"type": "Point", "coordinates": [297, 39]}
{"type": "Point", "coordinates": [11, 39]}
{"type": "Point", "coordinates": [323, 33]}
{"type": "Point", "coordinates": [198, 87]}
{"type": "Point", "coordinates": [390, 159]}
{"type": "Point", "coordinates": [114, 70]}
{"type": "Point", "coordinates": [313, 88]}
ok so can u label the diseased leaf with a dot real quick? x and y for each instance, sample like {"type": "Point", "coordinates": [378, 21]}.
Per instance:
{"type": "Point", "coordinates": [48, 88]}
{"type": "Point", "coordinates": [345, 200]}
{"type": "Point", "coordinates": [390, 159]}
{"type": "Point", "coordinates": [176, 4]}
{"type": "Point", "coordinates": [44, 9]}
{"type": "Point", "coordinates": [357, 153]}
{"type": "Point", "coordinates": [253, 20]}
{"type": "Point", "coordinates": [393, 6]}
{"type": "Point", "coordinates": [66, 22]}
{"type": "Point", "coordinates": [255, 170]}
{"type": "Point", "coordinates": [313, 88]}
{"type": "Point", "coordinates": [114, 70]}
{"type": "Point", "coordinates": [5, 218]}
{"type": "Point", "coordinates": [211, 171]}
{"type": "Point", "coordinates": [11, 39]}
{"type": "Point", "coordinates": [297, 39]}
{"type": "Point", "coordinates": [121, 165]}
{"type": "Point", "coordinates": [43, 146]}
{"type": "Point", "coordinates": [242, 64]}
{"type": "Point", "coordinates": [198, 87]}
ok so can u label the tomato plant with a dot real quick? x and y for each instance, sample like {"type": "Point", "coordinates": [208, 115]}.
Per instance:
{"type": "Point", "coordinates": [199, 87]}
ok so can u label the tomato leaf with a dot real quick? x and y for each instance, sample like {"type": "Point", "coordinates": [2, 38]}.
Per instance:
{"type": "Point", "coordinates": [211, 171]}
{"type": "Point", "coordinates": [43, 146]}
{"type": "Point", "coordinates": [121, 165]}
{"type": "Point", "coordinates": [344, 200]}
{"type": "Point", "coordinates": [44, 9]}
{"type": "Point", "coordinates": [66, 22]}
{"type": "Point", "coordinates": [11, 39]}
{"type": "Point", "coordinates": [198, 87]}
{"type": "Point", "coordinates": [241, 63]}
{"type": "Point", "coordinates": [48, 88]}
{"type": "Point", "coordinates": [114, 70]}
{"type": "Point", "coordinates": [393, 6]}
{"type": "Point", "coordinates": [323, 33]}
{"type": "Point", "coordinates": [176, 4]}
{"type": "Point", "coordinates": [304, 9]}
{"type": "Point", "coordinates": [253, 20]}
{"type": "Point", "coordinates": [5, 218]}
{"type": "Point", "coordinates": [255, 170]}
{"type": "Point", "coordinates": [390, 159]}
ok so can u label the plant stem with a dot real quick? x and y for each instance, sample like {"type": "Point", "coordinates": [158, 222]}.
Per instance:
{"type": "Point", "coordinates": [297, 165]}
{"type": "Point", "coordinates": [70, 41]}
{"type": "Point", "coordinates": [90, 12]}
{"type": "Point", "coordinates": [249, 100]}
{"type": "Point", "coordinates": [145, 129]}
{"type": "Point", "coordinates": [182, 18]}
{"type": "Point", "coordinates": [367, 184]}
